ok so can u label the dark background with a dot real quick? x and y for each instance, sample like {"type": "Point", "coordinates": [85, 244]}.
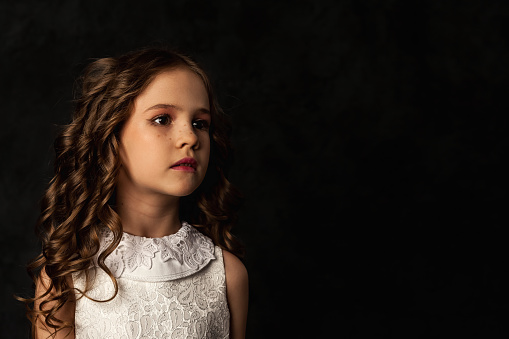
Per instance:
{"type": "Point", "coordinates": [369, 139]}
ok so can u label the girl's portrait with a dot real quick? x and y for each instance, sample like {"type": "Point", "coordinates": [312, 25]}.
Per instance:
{"type": "Point", "coordinates": [253, 169]}
{"type": "Point", "coordinates": [135, 224]}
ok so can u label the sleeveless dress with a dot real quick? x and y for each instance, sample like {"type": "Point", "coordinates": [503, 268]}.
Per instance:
{"type": "Point", "coordinates": [170, 287]}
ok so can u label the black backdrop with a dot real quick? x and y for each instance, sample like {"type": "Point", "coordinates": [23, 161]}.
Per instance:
{"type": "Point", "coordinates": [369, 139]}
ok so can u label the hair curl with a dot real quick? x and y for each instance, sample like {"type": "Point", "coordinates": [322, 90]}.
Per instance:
{"type": "Point", "coordinates": [80, 196]}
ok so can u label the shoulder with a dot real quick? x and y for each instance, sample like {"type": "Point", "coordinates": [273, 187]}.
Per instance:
{"type": "Point", "coordinates": [45, 292]}
{"type": "Point", "coordinates": [235, 271]}
{"type": "Point", "coordinates": [237, 292]}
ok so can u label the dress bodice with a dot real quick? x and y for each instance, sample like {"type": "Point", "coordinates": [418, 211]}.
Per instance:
{"type": "Point", "coordinates": [169, 287]}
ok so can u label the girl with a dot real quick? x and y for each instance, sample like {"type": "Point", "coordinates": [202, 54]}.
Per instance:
{"type": "Point", "coordinates": [135, 224]}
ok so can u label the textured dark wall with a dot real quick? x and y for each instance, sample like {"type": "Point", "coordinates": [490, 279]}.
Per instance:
{"type": "Point", "coordinates": [369, 139]}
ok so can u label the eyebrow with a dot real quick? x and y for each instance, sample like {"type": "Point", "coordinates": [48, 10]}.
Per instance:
{"type": "Point", "coordinates": [175, 107]}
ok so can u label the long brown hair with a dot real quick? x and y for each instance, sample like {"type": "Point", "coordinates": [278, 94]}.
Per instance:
{"type": "Point", "coordinates": [79, 201]}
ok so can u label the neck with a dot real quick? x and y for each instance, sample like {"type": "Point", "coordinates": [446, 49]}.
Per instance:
{"type": "Point", "coordinates": [153, 216]}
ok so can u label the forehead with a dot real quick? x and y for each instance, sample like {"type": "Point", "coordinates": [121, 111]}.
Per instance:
{"type": "Point", "coordinates": [179, 86]}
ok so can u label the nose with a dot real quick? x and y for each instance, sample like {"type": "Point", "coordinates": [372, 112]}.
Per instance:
{"type": "Point", "coordinates": [187, 136]}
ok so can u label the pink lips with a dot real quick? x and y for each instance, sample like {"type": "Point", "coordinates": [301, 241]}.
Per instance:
{"type": "Point", "coordinates": [185, 164]}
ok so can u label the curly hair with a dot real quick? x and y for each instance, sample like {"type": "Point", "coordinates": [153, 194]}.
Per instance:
{"type": "Point", "coordinates": [79, 201]}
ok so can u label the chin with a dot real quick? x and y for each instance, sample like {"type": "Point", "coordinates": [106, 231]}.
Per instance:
{"type": "Point", "coordinates": [183, 191]}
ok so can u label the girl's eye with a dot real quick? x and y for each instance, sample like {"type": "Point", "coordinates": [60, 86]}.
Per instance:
{"type": "Point", "coordinates": [201, 124]}
{"type": "Point", "coordinates": [162, 120]}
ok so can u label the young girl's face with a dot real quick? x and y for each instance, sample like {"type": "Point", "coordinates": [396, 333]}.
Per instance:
{"type": "Point", "coordinates": [165, 143]}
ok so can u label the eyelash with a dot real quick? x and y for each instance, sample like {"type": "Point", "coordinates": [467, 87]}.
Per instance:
{"type": "Point", "coordinates": [205, 123]}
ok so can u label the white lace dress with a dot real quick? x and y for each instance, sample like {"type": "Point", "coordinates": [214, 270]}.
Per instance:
{"type": "Point", "coordinates": [169, 287]}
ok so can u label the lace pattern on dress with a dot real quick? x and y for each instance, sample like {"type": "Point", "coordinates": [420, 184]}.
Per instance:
{"type": "Point", "coordinates": [158, 259]}
{"type": "Point", "coordinates": [189, 308]}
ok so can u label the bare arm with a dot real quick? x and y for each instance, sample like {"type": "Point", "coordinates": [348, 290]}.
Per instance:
{"type": "Point", "coordinates": [237, 292]}
{"type": "Point", "coordinates": [66, 313]}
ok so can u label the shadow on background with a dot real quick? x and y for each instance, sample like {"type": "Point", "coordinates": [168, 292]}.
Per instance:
{"type": "Point", "coordinates": [368, 137]}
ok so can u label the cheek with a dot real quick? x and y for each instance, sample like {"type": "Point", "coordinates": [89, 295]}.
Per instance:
{"type": "Point", "coordinates": [206, 146]}
{"type": "Point", "coordinates": [139, 149]}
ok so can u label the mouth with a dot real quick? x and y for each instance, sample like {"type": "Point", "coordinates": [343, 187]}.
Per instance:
{"type": "Point", "coordinates": [185, 164]}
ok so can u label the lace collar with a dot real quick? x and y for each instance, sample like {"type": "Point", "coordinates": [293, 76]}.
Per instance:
{"type": "Point", "coordinates": [159, 259]}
